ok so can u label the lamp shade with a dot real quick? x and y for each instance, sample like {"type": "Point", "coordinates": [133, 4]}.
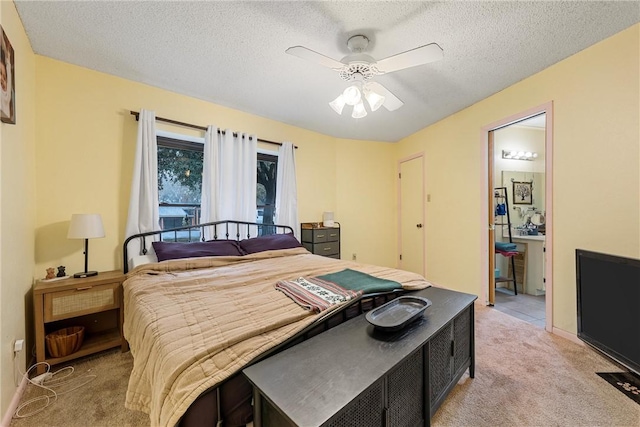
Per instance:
{"type": "Point", "coordinates": [352, 95]}
{"type": "Point", "coordinates": [374, 99]}
{"type": "Point", "coordinates": [338, 104]}
{"type": "Point", "coordinates": [359, 111]}
{"type": "Point", "coordinates": [327, 219]}
{"type": "Point", "coordinates": [85, 226]}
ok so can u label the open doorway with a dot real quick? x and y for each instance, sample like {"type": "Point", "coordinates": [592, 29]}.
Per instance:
{"type": "Point", "coordinates": [519, 202]}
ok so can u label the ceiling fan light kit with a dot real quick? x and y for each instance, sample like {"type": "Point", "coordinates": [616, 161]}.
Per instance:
{"type": "Point", "coordinates": [352, 95]}
{"type": "Point", "coordinates": [359, 110]}
{"type": "Point", "coordinates": [374, 99]}
{"type": "Point", "coordinates": [338, 104]}
{"type": "Point", "coordinates": [359, 68]}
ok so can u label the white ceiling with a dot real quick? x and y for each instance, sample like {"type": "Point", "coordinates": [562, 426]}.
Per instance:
{"type": "Point", "coordinates": [232, 53]}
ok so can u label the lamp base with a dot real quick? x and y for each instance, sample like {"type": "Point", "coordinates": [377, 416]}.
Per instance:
{"type": "Point", "coordinates": [85, 274]}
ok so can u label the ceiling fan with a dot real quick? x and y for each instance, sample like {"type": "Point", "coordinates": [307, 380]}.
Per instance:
{"type": "Point", "coordinates": [359, 68]}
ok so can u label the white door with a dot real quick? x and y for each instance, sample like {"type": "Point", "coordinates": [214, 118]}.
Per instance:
{"type": "Point", "coordinates": [411, 178]}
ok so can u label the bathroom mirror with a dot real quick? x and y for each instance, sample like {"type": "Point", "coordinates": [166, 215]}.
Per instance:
{"type": "Point", "coordinates": [519, 213]}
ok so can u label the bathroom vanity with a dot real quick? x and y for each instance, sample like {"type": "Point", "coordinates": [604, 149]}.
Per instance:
{"type": "Point", "coordinates": [534, 248]}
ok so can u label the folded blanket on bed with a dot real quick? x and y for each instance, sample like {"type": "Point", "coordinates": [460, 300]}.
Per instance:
{"type": "Point", "coordinates": [315, 294]}
{"type": "Point", "coordinates": [506, 246]}
{"type": "Point", "coordinates": [358, 281]}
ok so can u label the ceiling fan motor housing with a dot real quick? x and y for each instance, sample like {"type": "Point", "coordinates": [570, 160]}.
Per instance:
{"type": "Point", "coordinates": [358, 65]}
{"type": "Point", "coordinates": [358, 71]}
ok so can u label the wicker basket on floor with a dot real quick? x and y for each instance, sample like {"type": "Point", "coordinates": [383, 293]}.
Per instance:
{"type": "Point", "coordinates": [64, 341]}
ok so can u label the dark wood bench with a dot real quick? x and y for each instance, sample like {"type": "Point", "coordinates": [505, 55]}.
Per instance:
{"type": "Point", "coordinates": [353, 374]}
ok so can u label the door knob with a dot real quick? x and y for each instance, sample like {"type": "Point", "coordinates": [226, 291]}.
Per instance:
{"type": "Point", "coordinates": [419, 225]}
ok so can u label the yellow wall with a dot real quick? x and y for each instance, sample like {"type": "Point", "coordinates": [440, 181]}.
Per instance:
{"type": "Point", "coordinates": [17, 207]}
{"type": "Point", "coordinates": [86, 140]}
{"type": "Point", "coordinates": [596, 173]}
{"type": "Point", "coordinates": [366, 207]}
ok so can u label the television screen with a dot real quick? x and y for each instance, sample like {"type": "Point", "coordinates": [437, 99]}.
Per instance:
{"type": "Point", "coordinates": [608, 289]}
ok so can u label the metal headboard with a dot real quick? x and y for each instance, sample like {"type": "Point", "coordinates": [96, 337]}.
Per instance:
{"type": "Point", "coordinates": [222, 230]}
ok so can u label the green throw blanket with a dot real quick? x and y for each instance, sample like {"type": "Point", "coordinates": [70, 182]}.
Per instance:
{"type": "Point", "coordinates": [357, 281]}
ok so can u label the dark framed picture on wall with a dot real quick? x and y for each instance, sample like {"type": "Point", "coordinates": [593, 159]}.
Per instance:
{"type": "Point", "coordinates": [522, 193]}
{"type": "Point", "coordinates": [7, 81]}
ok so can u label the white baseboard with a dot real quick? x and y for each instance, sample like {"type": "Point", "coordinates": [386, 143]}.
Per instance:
{"type": "Point", "coordinates": [6, 420]}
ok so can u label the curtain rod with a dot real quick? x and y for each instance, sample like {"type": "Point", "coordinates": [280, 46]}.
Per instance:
{"type": "Point", "coordinates": [189, 125]}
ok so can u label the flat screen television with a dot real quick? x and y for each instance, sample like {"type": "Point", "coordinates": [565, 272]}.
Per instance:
{"type": "Point", "coordinates": [609, 305]}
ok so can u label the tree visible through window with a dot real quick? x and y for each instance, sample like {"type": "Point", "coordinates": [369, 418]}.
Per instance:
{"type": "Point", "coordinates": [179, 182]}
{"type": "Point", "coordinates": [267, 173]}
{"type": "Point", "coordinates": [180, 166]}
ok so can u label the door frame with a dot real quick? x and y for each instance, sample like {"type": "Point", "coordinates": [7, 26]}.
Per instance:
{"type": "Point", "coordinates": [487, 201]}
{"type": "Point", "coordinates": [399, 210]}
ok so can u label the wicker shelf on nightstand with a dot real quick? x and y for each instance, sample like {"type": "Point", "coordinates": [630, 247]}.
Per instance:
{"type": "Point", "coordinates": [93, 302]}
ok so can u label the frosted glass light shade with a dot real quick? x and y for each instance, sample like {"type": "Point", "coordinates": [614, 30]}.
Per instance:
{"type": "Point", "coordinates": [338, 104]}
{"type": "Point", "coordinates": [374, 99]}
{"type": "Point", "coordinates": [85, 226]}
{"type": "Point", "coordinates": [359, 111]}
{"type": "Point", "coordinates": [352, 95]}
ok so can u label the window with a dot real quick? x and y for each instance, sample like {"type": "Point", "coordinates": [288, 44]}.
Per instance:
{"type": "Point", "coordinates": [266, 188]}
{"type": "Point", "coordinates": [179, 185]}
{"type": "Point", "coordinates": [180, 164]}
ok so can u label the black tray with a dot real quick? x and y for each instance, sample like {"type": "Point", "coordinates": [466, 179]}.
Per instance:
{"type": "Point", "coordinates": [398, 313]}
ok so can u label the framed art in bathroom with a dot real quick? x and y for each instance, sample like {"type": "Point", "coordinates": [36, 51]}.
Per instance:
{"type": "Point", "coordinates": [522, 193]}
{"type": "Point", "coordinates": [7, 80]}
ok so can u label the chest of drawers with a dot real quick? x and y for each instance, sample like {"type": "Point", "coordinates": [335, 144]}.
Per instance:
{"type": "Point", "coordinates": [323, 241]}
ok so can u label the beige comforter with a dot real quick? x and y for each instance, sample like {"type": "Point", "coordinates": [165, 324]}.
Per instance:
{"type": "Point", "coordinates": [192, 323]}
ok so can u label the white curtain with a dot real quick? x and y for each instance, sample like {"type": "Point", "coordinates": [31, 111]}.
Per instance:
{"type": "Point", "coordinates": [287, 190]}
{"type": "Point", "coordinates": [228, 178]}
{"type": "Point", "coordinates": [143, 205]}
{"type": "Point", "coordinates": [210, 178]}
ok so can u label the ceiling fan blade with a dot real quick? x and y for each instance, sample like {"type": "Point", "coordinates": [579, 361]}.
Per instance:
{"type": "Point", "coordinates": [310, 55]}
{"type": "Point", "coordinates": [391, 102]}
{"type": "Point", "coordinates": [411, 58]}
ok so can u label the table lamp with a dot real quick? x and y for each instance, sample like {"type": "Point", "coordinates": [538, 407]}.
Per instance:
{"type": "Point", "coordinates": [327, 219]}
{"type": "Point", "coordinates": [85, 226]}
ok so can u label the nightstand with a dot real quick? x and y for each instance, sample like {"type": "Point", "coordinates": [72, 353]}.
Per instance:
{"type": "Point", "coordinates": [93, 302]}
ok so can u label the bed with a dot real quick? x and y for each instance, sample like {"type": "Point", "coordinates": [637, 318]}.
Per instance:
{"type": "Point", "coordinates": [197, 313]}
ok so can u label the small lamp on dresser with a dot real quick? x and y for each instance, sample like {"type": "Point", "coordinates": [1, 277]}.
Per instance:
{"type": "Point", "coordinates": [85, 226]}
{"type": "Point", "coordinates": [327, 219]}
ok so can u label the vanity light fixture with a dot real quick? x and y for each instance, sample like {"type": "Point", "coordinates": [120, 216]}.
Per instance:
{"type": "Point", "coordinates": [518, 155]}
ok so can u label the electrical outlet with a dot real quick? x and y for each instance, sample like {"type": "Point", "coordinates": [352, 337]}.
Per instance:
{"type": "Point", "coordinates": [354, 257]}
{"type": "Point", "coordinates": [18, 345]}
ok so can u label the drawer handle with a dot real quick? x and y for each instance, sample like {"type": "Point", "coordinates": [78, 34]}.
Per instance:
{"type": "Point", "coordinates": [326, 249]}
{"type": "Point", "coordinates": [333, 235]}
{"type": "Point", "coordinates": [319, 236]}
{"type": "Point", "coordinates": [84, 288]}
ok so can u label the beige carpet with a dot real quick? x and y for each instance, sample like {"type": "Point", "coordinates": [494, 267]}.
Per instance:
{"type": "Point", "coordinates": [524, 377]}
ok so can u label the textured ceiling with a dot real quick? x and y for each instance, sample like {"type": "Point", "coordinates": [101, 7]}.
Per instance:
{"type": "Point", "coordinates": [232, 53]}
